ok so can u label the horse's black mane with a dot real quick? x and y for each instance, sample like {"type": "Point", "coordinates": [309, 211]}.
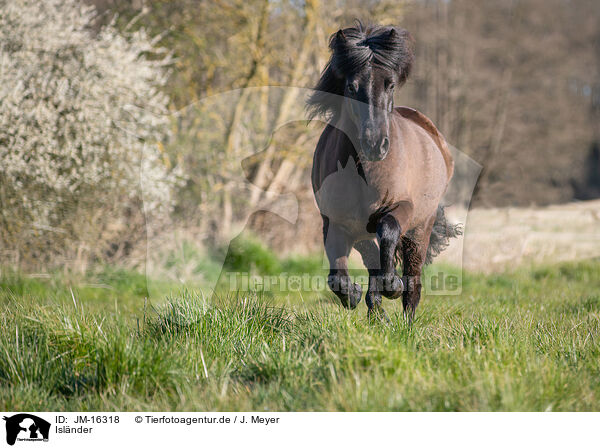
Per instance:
{"type": "Point", "coordinates": [385, 47]}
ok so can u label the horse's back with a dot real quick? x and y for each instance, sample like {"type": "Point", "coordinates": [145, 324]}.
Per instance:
{"type": "Point", "coordinates": [426, 124]}
{"type": "Point", "coordinates": [425, 163]}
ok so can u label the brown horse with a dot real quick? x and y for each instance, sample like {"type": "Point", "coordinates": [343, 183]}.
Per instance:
{"type": "Point", "coordinates": [379, 172]}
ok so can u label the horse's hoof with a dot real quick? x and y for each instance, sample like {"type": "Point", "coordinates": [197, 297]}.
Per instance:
{"type": "Point", "coordinates": [409, 313]}
{"type": "Point", "coordinates": [392, 286]}
{"type": "Point", "coordinates": [378, 315]}
{"type": "Point", "coordinates": [349, 293]}
{"type": "Point", "coordinates": [354, 295]}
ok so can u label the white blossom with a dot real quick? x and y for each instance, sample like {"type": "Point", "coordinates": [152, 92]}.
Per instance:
{"type": "Point", "coordinates": [81, 113]}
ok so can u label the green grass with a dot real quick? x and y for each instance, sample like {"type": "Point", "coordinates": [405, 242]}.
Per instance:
{"type": "Point", "coordinates": [527, 340]}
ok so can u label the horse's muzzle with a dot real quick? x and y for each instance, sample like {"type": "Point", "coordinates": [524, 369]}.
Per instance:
{"type": "Point", "coordinates": [374, 152]}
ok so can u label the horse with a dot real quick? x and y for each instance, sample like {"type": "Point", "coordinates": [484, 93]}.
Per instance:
{"type": "Point", "coordinates": [379, 172]}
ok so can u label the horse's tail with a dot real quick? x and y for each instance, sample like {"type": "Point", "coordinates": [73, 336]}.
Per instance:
{"type": "Point", "coordinates": [441, 234]}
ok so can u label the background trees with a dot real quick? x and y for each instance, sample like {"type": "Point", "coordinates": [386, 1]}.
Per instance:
{"type": "Point", "coordinates": [511, 83]}
{"type": "Point", "coordinates": [514, 84]}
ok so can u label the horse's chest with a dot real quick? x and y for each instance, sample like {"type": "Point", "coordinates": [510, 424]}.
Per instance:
{"type": "Point", "coordinates": [346, 199]}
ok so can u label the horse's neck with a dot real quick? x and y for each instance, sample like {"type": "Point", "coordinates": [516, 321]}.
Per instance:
{"type": "Point", "coordinates": [346, 125]}
{"type": "Point", "coordinates": [348, 134]}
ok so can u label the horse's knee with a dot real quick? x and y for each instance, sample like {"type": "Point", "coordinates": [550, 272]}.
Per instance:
{"type": "Point", "coordinates": [388, 231]}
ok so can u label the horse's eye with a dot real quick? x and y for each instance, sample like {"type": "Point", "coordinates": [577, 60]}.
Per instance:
{"type": "Point", "coordinates": [352, 87]}
{"type": "Point", "coordinates": [391, 86]}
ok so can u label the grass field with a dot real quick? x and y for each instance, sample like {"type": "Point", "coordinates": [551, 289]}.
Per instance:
{"type": "Point", "coordinates": [515, 341]}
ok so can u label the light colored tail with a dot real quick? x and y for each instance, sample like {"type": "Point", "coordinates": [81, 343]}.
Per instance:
{"type": "Point", "coordinates": [441, 234]}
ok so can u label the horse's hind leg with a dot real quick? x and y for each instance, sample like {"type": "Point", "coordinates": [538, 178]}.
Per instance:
{"type": "Point", "coordinates": [338, 245]}
{"type": "Point", "coordinates": [414, 252]}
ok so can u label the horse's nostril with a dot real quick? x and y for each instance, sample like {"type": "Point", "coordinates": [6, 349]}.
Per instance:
{"type": "Point", "coordinates": [385, 144]}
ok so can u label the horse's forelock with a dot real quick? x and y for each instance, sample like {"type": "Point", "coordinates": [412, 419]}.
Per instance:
{"type": "Point", "coordinates": [383, 46]}
{"type": "Point", "coordinates": [387, 47]}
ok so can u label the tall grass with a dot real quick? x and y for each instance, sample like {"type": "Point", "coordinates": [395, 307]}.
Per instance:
{"type": "Point", "coordinates": [521, 341]}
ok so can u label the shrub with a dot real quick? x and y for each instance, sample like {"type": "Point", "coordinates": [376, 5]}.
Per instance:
{"type": "Point", "coordinates": [82, 117]}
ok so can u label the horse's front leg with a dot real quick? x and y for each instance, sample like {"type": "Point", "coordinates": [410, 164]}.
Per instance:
{"type": "Point", "coordinates": [370, 255]}
{"type": "Point", "coordinates": [388, 235]}
{"type": "Point", "coordinates": [338, 245]}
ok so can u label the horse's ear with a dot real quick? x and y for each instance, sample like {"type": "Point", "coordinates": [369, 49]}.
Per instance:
{"type": "Point", "coordinates": [404, 44]}
{"type": "Point", "coordinates": [336, 40]}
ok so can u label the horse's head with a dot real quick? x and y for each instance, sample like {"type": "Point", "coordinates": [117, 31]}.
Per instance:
{"type": "Point", "coordinates": [365, 66]}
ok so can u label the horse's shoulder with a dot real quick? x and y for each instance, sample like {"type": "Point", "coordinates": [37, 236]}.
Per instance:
{"type": "Point", "coordinates": [328, 132]}
{"type": "Point", "coordinates": [421, 120]}
{"type": "Point", "coordinates": [320, 159]}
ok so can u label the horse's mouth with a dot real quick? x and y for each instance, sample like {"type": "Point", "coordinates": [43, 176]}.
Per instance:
{"type": "Point", "coordinates": [371, 157]}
